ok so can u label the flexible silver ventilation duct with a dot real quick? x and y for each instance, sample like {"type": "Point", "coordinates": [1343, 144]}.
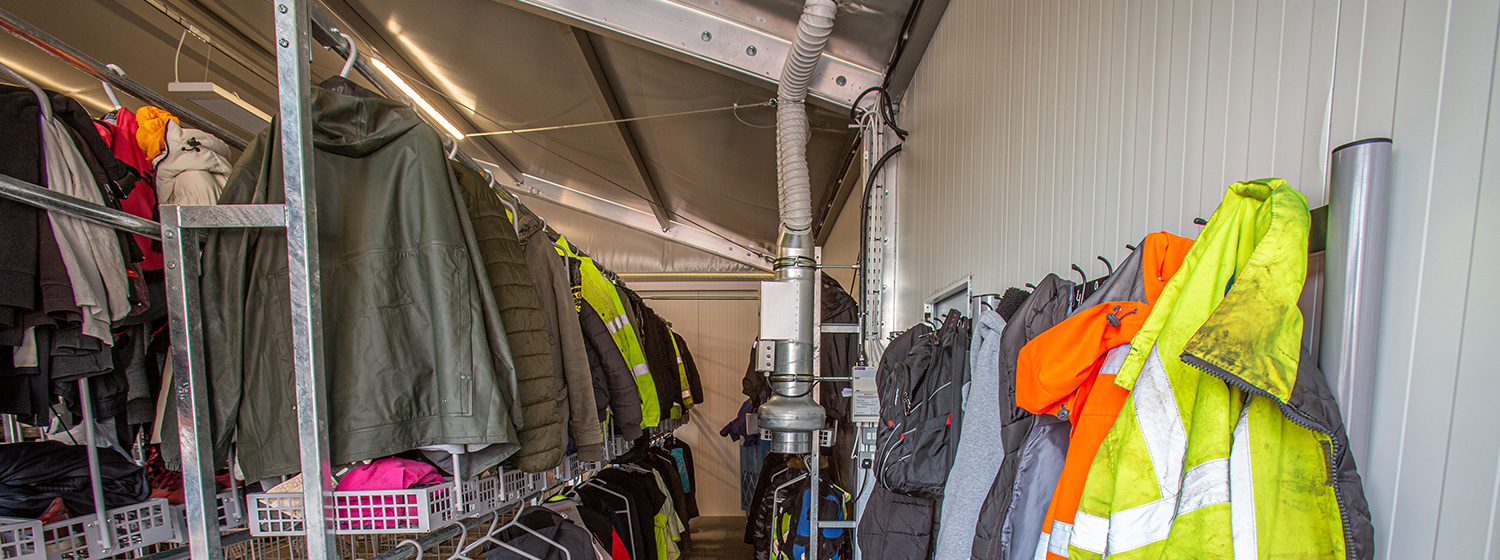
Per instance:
{"type": "Point", "coordinates": [794, 185]}
{"type": "Point", "coordinates": [791, 414]}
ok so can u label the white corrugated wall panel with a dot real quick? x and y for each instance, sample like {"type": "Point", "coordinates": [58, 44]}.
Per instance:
{"type": "Point", "coordinates": [1047, 132]}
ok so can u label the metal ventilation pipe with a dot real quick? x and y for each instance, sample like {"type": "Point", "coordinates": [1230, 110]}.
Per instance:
{"type": "Point", "coordinates": [791, 414]}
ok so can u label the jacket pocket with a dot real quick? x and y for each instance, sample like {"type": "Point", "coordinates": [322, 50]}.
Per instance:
{"type": "Point", "coordinates": [397, 336]}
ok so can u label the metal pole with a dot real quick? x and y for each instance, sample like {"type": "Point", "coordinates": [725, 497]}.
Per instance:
{"type": "Point", "coordinates": [41, 39]}
{"type": "Point", "coordinates": [1359, 193]}
{"type": "Point", "coordinates": [194, 433]}
{"type": "Point", "coordinates": [12, 428]}
{"type": "Point", "coordinates": [101, 517]}
{"type": "Point", "coordinates": [814, 470]}
{"type": "Point", "coordinates": [292, 54]}
{"type": "Point", "coordinates": [52, 201]}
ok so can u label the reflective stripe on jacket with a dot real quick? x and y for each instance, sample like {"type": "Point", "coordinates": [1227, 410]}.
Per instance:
{"type": "Point", "coordinates": [601, 294]}
{"type": "Point", "coordinates": [1069, 371]}
{"type": "Point", "coordinates": [1219, 451]}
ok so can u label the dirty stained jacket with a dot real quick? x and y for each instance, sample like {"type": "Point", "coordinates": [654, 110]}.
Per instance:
{"type": "Point", "coordinates": [1230, 443]}
{"type": "Point", "coordinates": [406, 353]}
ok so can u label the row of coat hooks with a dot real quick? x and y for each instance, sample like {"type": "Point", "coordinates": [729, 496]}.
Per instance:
{"type": "Point", "coordinates": [1087, 287]}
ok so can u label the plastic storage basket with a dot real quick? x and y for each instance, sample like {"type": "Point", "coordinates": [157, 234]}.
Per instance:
{"type": "Point", "coordinates": [134, 527]}
{"type": "Point", "coordinates": [379, 512]}
{"type": "Point", "coordinates": [20, 539]}
{"type": "Point", "coordinates": [231, 514]}
{"type": "Point", "coordinates": [515, 484]}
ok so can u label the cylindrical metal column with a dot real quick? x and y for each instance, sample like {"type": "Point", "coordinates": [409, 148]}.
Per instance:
{"type": "Point", "coordinates": [1359, 191]}
{"type": "Point", "coordinates": [791, 414]}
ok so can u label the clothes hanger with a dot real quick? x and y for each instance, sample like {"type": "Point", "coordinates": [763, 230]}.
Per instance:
{"type": "Point", "coordinates": [41, 97]}
{"type": "Point", "coordinates": [353, 55]}
{"type": "Point", "coordinates": [461, 552]}
{"type": "Point", "coordinates": [516, 522]}
{"type": "Point", "coordinates": [624, 514]}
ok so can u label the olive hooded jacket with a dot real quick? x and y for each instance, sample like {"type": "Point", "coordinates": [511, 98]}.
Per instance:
{"type": "Point", "coordinates": [406, 332]}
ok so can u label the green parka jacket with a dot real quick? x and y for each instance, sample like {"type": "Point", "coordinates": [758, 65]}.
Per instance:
{"type": "Point", "coordinates": [406, 332]}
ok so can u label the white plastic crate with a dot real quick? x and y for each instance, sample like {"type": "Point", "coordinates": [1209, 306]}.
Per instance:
{"type": "Point", "coordinates": [134, 527]}
{"type": "Point", "coordinates": [417, 510]}
{"type": "Point", "coordinates": [231, 513]}
{"type": "Point", "coordinates": [515, 485]}
{"type": "Point", "coordinates": [21, 539]}
{"type": "Point", "coordinates": [483, 495]}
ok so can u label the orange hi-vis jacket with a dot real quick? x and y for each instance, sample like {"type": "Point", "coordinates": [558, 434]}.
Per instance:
{"type": "Point", "coordinates": [1068, 371]}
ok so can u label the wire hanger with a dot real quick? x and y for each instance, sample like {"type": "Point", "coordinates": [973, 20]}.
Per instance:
{"type": "Point", "coordinates": [41, 97]}
{"type": "Point", "coordinates": [353, 55]}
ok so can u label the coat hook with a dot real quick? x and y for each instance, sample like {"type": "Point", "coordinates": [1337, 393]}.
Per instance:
{"type": "Point", "coordinates": [1129, 246]}
{"type": "Point", "coordinates": [1030, 285]}
{"type": "Point", "coordinates": [1200, 221]}
{"type": "Point", "coordinates": [1081, 273]}
{"type": "Point", "coordinates": [1107, 267]}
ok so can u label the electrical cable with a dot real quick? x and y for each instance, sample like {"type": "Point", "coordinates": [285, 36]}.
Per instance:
{"type": "Point", "coordinates": [734, 107]}
{"type": "Point", "coordinates": [601, 176]}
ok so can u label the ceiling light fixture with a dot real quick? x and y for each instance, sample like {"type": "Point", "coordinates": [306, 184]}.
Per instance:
{"type": "Point", "coordinates": [426, 107]}
{"type": "Point", "coordinates": [223, 103]}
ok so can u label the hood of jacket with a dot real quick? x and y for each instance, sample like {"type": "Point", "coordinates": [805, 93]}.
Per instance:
{"type": "Point", "coordinates": [352, 123]}
{"type": "Point", "coordinates": [1054, 368]}
{"type": "Point", "coordinates": [151, 129]}
{"type": "Point", "coordinates": [1247, 323]}
{"type": "Point", "coordinates": [193, 169]}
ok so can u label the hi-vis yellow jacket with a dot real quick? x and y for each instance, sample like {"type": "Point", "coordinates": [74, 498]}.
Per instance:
{"type": "Point", "coordinates": [605, 299]}
{"type": "Point", "coordinates": [1230, 444]}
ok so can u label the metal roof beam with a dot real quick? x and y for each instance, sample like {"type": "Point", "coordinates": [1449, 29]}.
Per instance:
{"type": "Point", "coordinates": [610, 102]}
{"type": "Point", "coordinates": [631, 217]}
{"type": "Point", "coordinates": [324, 31]}
{"type": "Point", "coordinates": [708, 39]}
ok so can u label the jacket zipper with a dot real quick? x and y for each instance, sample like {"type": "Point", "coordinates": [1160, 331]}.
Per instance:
{"type": "Point", "coordinates": [1290, 413]}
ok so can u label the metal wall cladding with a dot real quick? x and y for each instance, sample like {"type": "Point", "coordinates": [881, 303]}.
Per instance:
{"type": "Point", "coordinates": [1045, 133]}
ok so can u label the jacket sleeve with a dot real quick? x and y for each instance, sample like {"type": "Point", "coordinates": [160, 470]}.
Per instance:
{"type": "Point", "coordinates": [695, 383]}
{"type": "Point", "coordinates": [583, 416]}
{"type": "Point", "coordinates": [624, 398]}
{"type": "Point", "coordinates": [1054, 365]}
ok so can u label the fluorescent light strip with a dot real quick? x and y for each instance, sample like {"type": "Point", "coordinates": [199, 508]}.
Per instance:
{"type": "Point", "coordinates": [426, 107]}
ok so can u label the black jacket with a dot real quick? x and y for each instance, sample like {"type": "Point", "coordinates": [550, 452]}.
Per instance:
{"type": "Point", "coordinates": [577, 541]}
{"type": "Point", "coordinates": [33, 474]}
{"type": "Point", "coordinates": [656, 340]}
{"type": "Point", "coordinates": [614, 386]}
{"type": "Point", "coordinates": [894, 525]}
{"type": "Point", "coordinates": [838, 351]}
{"type": "Point", "coordinates": [695, 383]}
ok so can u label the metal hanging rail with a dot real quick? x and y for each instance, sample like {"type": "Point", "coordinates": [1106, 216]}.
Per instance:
{"type": "Point", "coordinates": [91, 66]}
